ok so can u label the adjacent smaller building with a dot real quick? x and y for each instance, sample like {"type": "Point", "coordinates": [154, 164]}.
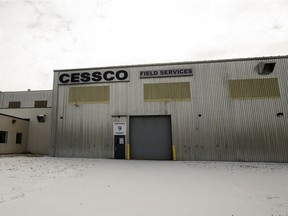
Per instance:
{"type": "Point", "coordinates": [13, 134]}
{"type": "Point", "coordinates": [32, 105]}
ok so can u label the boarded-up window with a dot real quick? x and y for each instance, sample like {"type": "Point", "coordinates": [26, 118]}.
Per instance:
{"type": "Point", "coordinates": [254, 88]}
{"type": "Point", "coordinates": [40, 104]}
{"type": "Point", "coordinates": [14, 104]}
{"type": "Point", "coordinates": [19, 138]}
{"type": "Point", "coordinates": [93, 94]}
{"type": "Point", "coordinates": [167, 92]}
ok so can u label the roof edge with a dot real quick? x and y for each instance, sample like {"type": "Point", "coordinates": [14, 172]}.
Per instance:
{"type": "Point", "coordinates": [26, 91]}
{"type": "Point", "coordinates": [25, 119]}
{"type": "Point", "coordinates": [174, 63]}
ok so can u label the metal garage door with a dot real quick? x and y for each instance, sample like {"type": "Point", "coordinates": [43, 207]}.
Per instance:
{"type": "Point", "coordinates": [150, 137]}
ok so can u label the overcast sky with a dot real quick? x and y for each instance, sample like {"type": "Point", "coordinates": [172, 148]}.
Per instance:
{"type": "Point", "coordinates": [37, 36]}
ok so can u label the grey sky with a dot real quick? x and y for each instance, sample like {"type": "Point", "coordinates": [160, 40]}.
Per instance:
{"type": "Point", "coordinates": [39, 36]}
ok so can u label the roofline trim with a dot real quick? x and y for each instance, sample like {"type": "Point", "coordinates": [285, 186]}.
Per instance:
{"type": "Point", "coordinates": [175, 63]}
{"type": "Point", "coordinates": [25, 119]}
{"type": "Point", "coordinates": [26, 91]}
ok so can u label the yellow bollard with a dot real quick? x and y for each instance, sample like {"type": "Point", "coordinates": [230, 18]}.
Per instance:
{"type": "Point", "coordinates": [128, 152]}
{"type": "Point", "coordinates": [173, 152]}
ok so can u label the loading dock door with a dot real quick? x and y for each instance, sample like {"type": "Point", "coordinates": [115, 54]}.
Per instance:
{"type": "Point", "coordinates": [150, 137]}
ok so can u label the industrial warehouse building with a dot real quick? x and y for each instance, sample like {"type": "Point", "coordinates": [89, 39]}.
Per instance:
{"type": "Point", "coordinates": [25, 122]}
{"type": "Point", "coordinates": [222, 110]}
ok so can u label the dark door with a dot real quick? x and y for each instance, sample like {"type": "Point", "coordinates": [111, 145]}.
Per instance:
{"type": "Point", "coordinates": [119, 146]}
{"type": "Point", "coordinates": [150, 137]}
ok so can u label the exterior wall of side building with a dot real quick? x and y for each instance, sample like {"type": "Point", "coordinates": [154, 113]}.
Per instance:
{"type": "Point", "coordinates": [29, 105]}
{"type": "Point", "coordinates": [13, 134]}
{"type": "Point", "coordinates": [224, 110]}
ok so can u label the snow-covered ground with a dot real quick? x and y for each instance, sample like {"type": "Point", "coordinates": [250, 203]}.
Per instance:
{"type": "Point", "coordinates": [70, 186]}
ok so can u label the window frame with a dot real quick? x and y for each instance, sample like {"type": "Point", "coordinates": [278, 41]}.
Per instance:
{"type": "Point", "coordinates": [14, 104]}
{"type": "Point", "coordinates": [40, 104]}
{"type": "Point", "coordinates": [17, 138]}
{"type": "Point", "coordinates": [5, 138]}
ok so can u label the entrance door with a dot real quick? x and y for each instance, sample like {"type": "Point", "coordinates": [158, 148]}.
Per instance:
{"type": "Point", "coordinates": [119, 147]}
{"type": "Point", "coordinates": [150, 137]}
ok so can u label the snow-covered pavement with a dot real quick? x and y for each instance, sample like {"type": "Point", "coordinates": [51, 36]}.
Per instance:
{"type": "Point", "coordinates": [70, 186]}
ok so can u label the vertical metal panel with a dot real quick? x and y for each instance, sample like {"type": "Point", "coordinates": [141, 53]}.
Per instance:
{"type": "Point", "coordinates": [55, 116]}
{"type": "Point", "coordinates": [229, 129]}
{"type": "Point", "coordinates": [1, 99]}
{"type": "Point", "coordinates": [211, 126]}
{"type": "Point", "coordinates": [82, 130]}
{"type": "Point", "coordinates": [26, 98]}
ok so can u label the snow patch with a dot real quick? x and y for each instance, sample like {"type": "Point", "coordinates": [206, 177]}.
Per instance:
{"type": "Point", "coordinates": [73, 186]}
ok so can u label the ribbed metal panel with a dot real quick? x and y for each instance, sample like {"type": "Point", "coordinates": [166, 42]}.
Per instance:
{"type": "Point", "coordinates": [26, 98]}
{"type": "Point", "coordinates": [1, 99]}
{"type": "Point", "coordinates": [211, 126]}
{"type": "Point", "coordinates": [83, 130]}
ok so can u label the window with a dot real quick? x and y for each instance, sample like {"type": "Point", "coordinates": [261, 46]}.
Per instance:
{"type": "Point", "coordinates": [86, 95]}
{"type": "Point", "coordinates": [254, 88]}
{"type": "Point", "coordinates": [18, 138]}
{"type": "Point", "coordinates": [14, 104]}
{"type": "Point", "coordinates": [40, 104]}
{"type": "Point", "coordinates": [3, 136]}
{"type": "Point", "coordinates": [162, 92]}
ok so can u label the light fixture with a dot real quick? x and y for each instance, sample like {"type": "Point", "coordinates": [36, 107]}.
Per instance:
{"type": "Point", "coordinates": [265, 68]}
{"type": "Point", "coordinates": [41, 118]}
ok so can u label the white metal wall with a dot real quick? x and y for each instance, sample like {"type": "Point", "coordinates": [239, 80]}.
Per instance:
{"type": "Point", "coordinates": [211, 126]}
{"type": "Point", "coordinates": [27, 98]}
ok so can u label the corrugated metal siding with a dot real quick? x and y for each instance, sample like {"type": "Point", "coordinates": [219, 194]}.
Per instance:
{"type": "Point", "coordinates": [211, 126]}
{"type": "Point", "coordinates": [1, 99]}
{"type": "Point", "coordinates": [83, 130]}
{"type": "Point", "coordinates": [27, 99]}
